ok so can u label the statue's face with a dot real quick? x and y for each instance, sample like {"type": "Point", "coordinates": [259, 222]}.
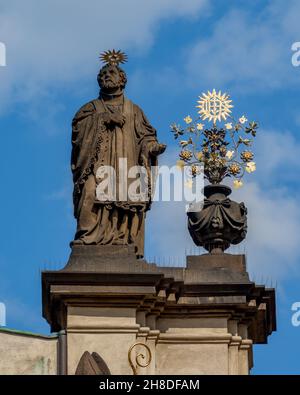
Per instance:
{"type": "Point", "coordinates": [110, 78]}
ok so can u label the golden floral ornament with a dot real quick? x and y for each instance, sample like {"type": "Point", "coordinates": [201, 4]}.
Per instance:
{"type": "Point", "coordinates": [214, 106]}
{"type": "Point", "coordinates": [195, 170]}
{"type": "Point", "coordinates": [180, 164]}
{"type": "Point", "coordinates": [223, 150]}
{"type": "Point", "coordinates": [234, 169]}
{"type": "Point", "coordinates": [199, 156]}
{"type": "Point", "coordinates": [185, 155]}
{"type": "Point", "coordinates": [243, 119]}
{"type": "Point", "coordinates": [247, 156]}
{"type": "Point", "coordinates": [188, 120]}
{"type": "Point", "coordinates": [237, 184]}
{"type": "Point", "coordinates": [251, 167]}
{"type": "Point", "coordinates": [229, 154]}
{"type": "Point", "coordinates": [189, 184]}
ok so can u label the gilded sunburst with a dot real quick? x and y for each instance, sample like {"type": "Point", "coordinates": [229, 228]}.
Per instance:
{"type": "Point", "coordinates": [113, 57]}
{"type": "Point", "coordinates": [214, 106]}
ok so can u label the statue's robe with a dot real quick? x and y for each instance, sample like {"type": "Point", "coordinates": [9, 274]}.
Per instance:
{"type": "Point", "coordinates": [95, 144]}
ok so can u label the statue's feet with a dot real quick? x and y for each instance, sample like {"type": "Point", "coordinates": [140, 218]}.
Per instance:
{"type": "Point", "coordinates": [77, 242]}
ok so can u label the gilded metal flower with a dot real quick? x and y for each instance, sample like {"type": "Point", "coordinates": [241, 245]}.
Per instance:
{"type": "Point", "coordinates": [229, 154]}
{"type": "Point", "coordinates": [215, 138]}
{"type": "Point", "coordinates": [237, 184]}
{"type": "Point", "coordinates": [189, 184]}
{"type": "Point", "coordinates": [199, 156]}
{"type": "Point", "coordinates": [185, 155]}
{"type": "Point", "coordinates": [243, 119]}
{"type": "Point", "coordinates": [247, 156]}
{"type": "Point", "coordinates": [188, 119]}
{"type": "Point", "coordinates": [180, 164]}
{"type": "Point", "coordinates": [223, 151]}
{"type": "Point", "coordinates": [234, 169]}
{"type": "Point", "coordinates": [195, 170]}
{"type": "Point", "coordinates": [251, 167]}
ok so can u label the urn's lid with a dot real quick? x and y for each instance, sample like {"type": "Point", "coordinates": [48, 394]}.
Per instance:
{"type": "Point", "coordinates": [211, 189]}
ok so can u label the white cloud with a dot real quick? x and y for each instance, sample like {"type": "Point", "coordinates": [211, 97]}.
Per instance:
{"type": "Point", "coordinates": [52, 43]}
{"type": "Point", "coordinates": [278, 155]}
{"type": "Point", "coordinates": [248, 50]}
{"type": "Point", "coordinates": [273, 230]}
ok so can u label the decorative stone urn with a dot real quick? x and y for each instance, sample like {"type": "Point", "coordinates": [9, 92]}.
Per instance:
{"type": "Point", "coordinates": [220, 222]}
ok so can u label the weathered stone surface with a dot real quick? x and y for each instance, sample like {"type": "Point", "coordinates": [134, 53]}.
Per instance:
{"type": "Point", "coordinates": [106, 132]}
{"type": "Point", "coordinates": [109, 331]}
{"type": "Point", "coordinates": [220, 222]}
{"type": "Point", "coordinates": [106, 258]}
{"type": "Point", "coordinates": [91, 364]}
{"type": "Point", "coordinates": [27, 353]}
{"type": "Point", "coordinates": [201, 319]}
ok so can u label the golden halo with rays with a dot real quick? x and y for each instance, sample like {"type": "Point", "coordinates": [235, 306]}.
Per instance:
{"type": "Point", "coordinates": [113, 57]}
{"type": "Point", "coordinates": [214, 106]}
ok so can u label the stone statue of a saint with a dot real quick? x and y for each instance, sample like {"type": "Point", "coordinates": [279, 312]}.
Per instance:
{"type": "Point", "coordinates": [104, 131]}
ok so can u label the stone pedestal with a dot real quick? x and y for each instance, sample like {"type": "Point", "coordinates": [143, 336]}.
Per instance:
{"type": "Point", "coordinates": [201, 319]}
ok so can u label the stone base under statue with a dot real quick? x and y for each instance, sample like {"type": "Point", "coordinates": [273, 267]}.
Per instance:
{"type": "Point", "coordinates": [202, 319]}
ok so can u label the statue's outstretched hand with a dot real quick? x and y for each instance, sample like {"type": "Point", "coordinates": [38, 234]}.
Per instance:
{"type": "Point", "coordinates": [158, 149]}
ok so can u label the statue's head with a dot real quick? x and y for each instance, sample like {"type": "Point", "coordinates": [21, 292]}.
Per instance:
{"type": "Point", "coordinates": [112, 78]}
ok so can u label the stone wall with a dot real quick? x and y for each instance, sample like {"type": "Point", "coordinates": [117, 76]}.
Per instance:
{"type": "Point", "coordinates": [27, 353]}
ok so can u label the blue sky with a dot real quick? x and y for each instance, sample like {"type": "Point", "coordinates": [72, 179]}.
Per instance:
{"type": "Point", "coordinates": [176, 51]}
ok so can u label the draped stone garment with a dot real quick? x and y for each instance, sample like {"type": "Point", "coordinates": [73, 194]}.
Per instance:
{"type": "Point", "coordinates": [219, 218]}
{"type": "Point", "coordinates": [95, 144]}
